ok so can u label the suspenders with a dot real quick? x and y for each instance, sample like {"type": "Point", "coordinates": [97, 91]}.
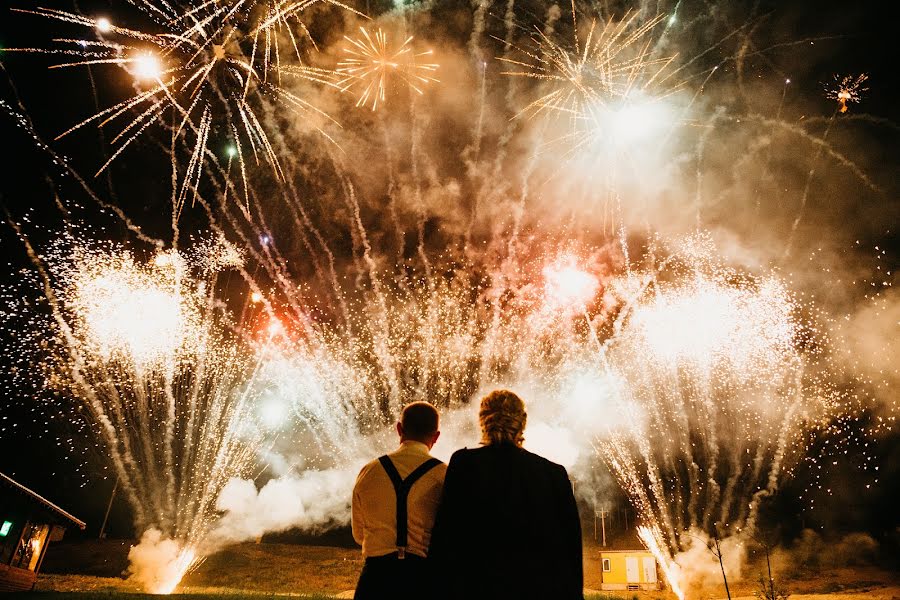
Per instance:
{"type": "Point", "coordinates": [401, 489]}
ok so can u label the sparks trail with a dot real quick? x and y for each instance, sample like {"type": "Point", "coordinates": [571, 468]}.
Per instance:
{"type": "Point", "coordinates": [146, 350]}
{"type": "Point", "coordinates": [718, 412]}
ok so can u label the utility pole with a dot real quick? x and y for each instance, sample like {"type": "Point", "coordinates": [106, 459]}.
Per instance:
{"type": "Point", "coordinates": [112, 497]}
{"type": "Point", "coordinates": [603, 524]}
{"type": "Point", "coordinates": [721, 565]}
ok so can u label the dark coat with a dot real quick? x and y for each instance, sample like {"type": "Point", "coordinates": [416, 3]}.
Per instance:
{"type": "Point", "coordinates": [507, 527]}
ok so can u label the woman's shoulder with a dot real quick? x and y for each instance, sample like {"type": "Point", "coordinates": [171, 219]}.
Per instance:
{"type": "Point", "coordinates": [470, 457]}
{"type": "Point", "coordinates": [545, 463]}
{"type": "Point", "coordinates": [462, 454]}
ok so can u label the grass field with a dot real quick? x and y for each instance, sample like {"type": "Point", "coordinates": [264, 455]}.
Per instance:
{"type": "Point", "coordinates": [93, 571]}
{"type": "Point", "coordinates": [45, 595]}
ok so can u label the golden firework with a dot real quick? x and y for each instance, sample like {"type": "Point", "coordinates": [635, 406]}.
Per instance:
{"type": "Point", "coordinates": [206, 69]}
{"type": "Point", "coordinates": [162, 375]}
{"type": "Point", "coordinates": [847, 90]}
{"type": "Point", "coordinates": [370, 63]}
{"type": "Point", "coordinates": [614, 61]}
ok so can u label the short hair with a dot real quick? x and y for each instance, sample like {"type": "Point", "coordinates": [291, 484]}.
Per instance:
{"type": "Point", "coordinates": [502, 417]}
{"type": "Point", "coordinates": [419, 420]}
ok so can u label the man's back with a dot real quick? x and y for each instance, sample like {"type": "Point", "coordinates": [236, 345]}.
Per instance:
{"type": "Point", "coordinates": [374, 503]}
{"type": "Point", "coordinates": [394, 503]}
{"type": "Point", "coordinates": [508, 521]}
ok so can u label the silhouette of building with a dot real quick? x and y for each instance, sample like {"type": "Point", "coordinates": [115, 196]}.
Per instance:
{"type": "Point", "coordinates": [28, 523]}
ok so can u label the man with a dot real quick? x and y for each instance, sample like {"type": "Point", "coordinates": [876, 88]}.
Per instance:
{"type": "Point", "coordinates": [394, 502]}
{"type": "Point", "coordinates": [507, 526]}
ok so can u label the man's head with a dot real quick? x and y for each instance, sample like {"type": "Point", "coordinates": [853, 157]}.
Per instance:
{"type": "Point", "coordinates": [419, 423]}
{"type": "Point", "coordinates": [502, 417]}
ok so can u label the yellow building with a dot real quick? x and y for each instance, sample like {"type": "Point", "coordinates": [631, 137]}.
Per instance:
{"type": "Point", "coordinates": [628, 570]}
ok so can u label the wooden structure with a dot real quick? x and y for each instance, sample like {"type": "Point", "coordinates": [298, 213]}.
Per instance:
{"type": "Point", "coordinates": [28, 523]}
{"type": "Point", "coordinates": [628, 570]}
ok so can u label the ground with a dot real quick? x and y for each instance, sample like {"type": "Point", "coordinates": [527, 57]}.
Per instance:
{"type": "Point", "coordinates": [90, 570]}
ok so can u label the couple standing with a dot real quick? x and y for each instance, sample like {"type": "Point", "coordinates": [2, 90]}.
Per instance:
{"type": "Point", "coordinates": [498, 523]}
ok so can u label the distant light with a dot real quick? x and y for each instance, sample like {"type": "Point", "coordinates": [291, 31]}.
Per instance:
{"type": "Point", "coordinates": [566, 285]}
{"type": "Point", "coordinates": [274, 414]}
{"type": "Point", "coordinates": [638, 121]}
{"type": "Point", "coordinates": [255, 297]}
{"type": "Point", "coordinates": [231, 151]}
{"type": "Point", "coordinates": [672, 20]}
{"type": "Point", "coordinates": [103, 25]}
{"type": "Point", "coordinates": [275, 327]}
{"type": "Point", "coordinates": [146, 66]}
{"type": "Point", "coordinates": [787, 81]}
{"type": "Point", "coordinates": [265, 240]}
{"type": "Point", "coordinates": [4, 529]}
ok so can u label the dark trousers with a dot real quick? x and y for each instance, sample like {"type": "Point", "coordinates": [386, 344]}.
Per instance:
{"type": "Point", "coordinates": [390, 578]}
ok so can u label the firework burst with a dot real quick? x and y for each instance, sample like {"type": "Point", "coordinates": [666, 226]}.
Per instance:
{"type": "Point", "coordinates": [371, 61]}
{"type": "Point", "coordinates": [202, 73]}
{"type": "Point", "coordinates": [155, 363]}
{"type": "Point", "coordinates": [615, 63]}
{"type": "Point", "coordinates": [847, 90]}
{"type": "Point", "coordinates": [720, 392]}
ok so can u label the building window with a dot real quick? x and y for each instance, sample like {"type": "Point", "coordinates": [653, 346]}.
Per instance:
{"type": "Point", "coordinates": [606, 566]}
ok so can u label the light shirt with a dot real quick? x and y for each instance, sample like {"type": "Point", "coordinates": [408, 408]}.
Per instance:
{"type": "Point", "coordinates": [374, 516]}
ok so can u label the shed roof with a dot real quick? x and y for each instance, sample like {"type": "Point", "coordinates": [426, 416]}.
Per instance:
{"type": "Point", "coordinates": [5, 479]}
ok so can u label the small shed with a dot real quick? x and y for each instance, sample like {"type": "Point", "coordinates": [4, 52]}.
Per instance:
{"type": "Point", "coordinates": [628, 570]}
{"type": "Point", "coordinates": [28, 523]}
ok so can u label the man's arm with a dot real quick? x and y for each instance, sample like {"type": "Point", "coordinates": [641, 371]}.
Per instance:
{"type": "Point", "coordinates": [571, 528]}
{"type": "Point", "coordinates": [445, 530]}
{"type": "Point", "coordinates": [357, 518]}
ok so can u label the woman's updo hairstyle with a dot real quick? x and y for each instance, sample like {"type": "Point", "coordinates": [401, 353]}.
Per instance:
{"type": "Point", "coordinates": [502, 417]}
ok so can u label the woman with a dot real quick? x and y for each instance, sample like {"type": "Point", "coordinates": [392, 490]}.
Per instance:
{"type": "Point", "coordinates": [507, 525]}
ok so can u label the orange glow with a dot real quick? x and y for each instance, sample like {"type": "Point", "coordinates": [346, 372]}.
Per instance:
{"type": "Point", "coordinates": [567, 285]}
{"type": "Point", "coordinates": [146, 67]}
{"type": "Point", "coordinates": [275, 327]}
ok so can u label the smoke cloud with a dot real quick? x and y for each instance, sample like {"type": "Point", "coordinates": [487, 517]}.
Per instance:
{"type": "Point", "coordinates": [310, 501]}
{"type": "Point", "coordinates": [158, 563]}
{"type": "Point", "coordinates": [315, 500]}
{"type": "Point", "coordinates": [698, 564]}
